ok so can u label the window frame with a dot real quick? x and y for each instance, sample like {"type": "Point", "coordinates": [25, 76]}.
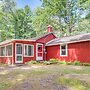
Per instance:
{"type": "Point", "coordinates": [5, 50]}
{"type": "Point", "coordinates": [27, 50]}
{"type": "Point", "coordinates": [65, 49]}
{"type": "Point", "coordinates": [11, 50]}
{"type": "Point", "coordinates": [0, 51]}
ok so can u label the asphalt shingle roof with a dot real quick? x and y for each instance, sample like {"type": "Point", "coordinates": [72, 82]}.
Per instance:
{"type": "Point", "coordinates": [69, 39]}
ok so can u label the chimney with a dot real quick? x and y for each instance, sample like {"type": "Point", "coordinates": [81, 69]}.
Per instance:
{"type": "Point", "coordinates": [49, 29]}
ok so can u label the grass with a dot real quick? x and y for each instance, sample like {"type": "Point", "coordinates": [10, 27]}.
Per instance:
{"type": "Point", "coordinates": [74, 84]}
{"type": "Point", "coordinates": [10, 78]}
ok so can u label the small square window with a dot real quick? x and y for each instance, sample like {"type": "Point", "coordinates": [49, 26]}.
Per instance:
{"type": "Point", "coordinates": [63, 50]}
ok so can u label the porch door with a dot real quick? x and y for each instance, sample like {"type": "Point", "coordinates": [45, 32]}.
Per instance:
{"type": "Point", "coordinates": [19, 53]}
{"type": "Point", "coordinates": [39, 51]}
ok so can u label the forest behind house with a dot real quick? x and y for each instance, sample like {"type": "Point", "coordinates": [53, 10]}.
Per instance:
{"type": "Point", "coordinates": [67, 17]}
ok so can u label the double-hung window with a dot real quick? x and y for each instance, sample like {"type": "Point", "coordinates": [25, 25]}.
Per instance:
{"type": "Point", "coordinates": [2, 51]}
{"type": "Point", "coordinates": [9, 50]}
{"type": "Point", "coordinates": [63, 50]}
{"type": "Point", "coordinates": [28, 50]}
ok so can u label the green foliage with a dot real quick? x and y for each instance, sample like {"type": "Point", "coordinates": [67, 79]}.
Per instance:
{"type": "Point", "coordinates": [74, 84]}
{"type": "Point", "coordinates": [32, 62]}
{"type": "Point", "coordinates": [53, 61]}
{"type": "Point", "coordinates": [15, 23]}
{"type": "Point", "coordinates": [69, 63]}
{"type": "Point", "coordinates": [85, 64]}
{"type": "Point", "coordinates": [46, 63]}
{"type": "Point", "coordinates": [62, 62]}
{"type": "Point", "coordinates": [68, 17]}
{"type": "Point", "coordinates": [76, 62]}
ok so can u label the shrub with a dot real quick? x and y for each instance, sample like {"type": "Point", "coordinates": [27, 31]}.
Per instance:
{"type": "Point", "coordinates": [76, 62]}
{"type": "Point", "coordinates": [46, 63]}
{"type": "Point", "coordinates": [69, 63]}
{"type": "Point", "coordinates": [62, 62]}
{"type": "Point", "coordinates": [53, 61]}
{"type": "Point", "coordinates": [85, 64]}
{"type": "Point", "coordinates": [32, 62]}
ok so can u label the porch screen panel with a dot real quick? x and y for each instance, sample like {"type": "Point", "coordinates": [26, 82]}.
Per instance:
{"type": "Point", "coordinates": [9, 50]}
{"type": "Point", "coordinates": [2, 53]}
{"type": "Point", "coordinates": [19, 49]}
{"type": "Point", "coordinates": [30, 50]}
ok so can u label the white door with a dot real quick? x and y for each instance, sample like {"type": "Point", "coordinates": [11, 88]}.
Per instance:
{"type": "Point", "coordinates": [19, 53]}
{"type": "Point", "coordinates": [39, 51]}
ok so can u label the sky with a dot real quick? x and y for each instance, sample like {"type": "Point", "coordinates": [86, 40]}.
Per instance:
{"type": "Point", "coordinates": [32, 3]}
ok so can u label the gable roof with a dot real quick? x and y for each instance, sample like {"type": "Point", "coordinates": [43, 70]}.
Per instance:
{"type": "Point", "coordinates": [31, 39]}
{"type": "Point", "coordinates": [42, 36]}
{"type": "Point", "coordinates": [70, 39]}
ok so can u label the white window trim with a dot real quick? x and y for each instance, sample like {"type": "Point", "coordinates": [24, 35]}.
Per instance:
{"type": "Point", "coordinates": [66, 50]}
{"type": "Point", "coordinates": [37, 57]}
{"type": "Point", "coordinates": [18, 54]}
{"type": "Point", "coordinates": [24, 50]}
{"type": "Point", "coordinates": [5, 50]}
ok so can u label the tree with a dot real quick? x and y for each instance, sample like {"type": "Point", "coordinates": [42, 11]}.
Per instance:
{"type": "Point", "coordinates": [65, 14]}
{"type": "Point", "coordinates": [15, 23]}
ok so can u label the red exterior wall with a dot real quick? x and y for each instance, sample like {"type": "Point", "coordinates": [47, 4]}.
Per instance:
{"type": "Point", "coordinates": [25, 59]}
{"type": "Point", "coordinates": [76, 51]}
{"type": "Point", "coordinates": [6, 59]}
{"type": "Point", "coordinates": [46, 39]}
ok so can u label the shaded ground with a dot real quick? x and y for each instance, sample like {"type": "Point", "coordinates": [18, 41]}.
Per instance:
{"type": "Point", "coordinates": [40, 77]}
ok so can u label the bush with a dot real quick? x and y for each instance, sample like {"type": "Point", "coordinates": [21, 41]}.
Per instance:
{"type": "Point", "coordinates": [62, 62]}
{"type": "Point", "coordinates": [69, 63]}
{"type": "Point", "coordinates": [76, 62]}
{"type": "Point", "coordinates": [85, 64]}
{"type": "Point", "coordinates": [53, 61]}
{"type": "Point", "coordinates": [46, 63]}
{"type": "Point", "coordinates": [32, 62]}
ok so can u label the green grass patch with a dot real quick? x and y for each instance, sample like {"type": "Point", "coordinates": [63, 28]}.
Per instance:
{"type": "Point", "coordinates": [74, 84]}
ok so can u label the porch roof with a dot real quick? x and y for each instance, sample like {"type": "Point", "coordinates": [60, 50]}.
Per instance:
{"type": "Point", "coordinates": [11, 40]}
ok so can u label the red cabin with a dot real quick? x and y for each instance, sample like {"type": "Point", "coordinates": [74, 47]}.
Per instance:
{"type": "Point", "coordinates": [46, 47]}
{"type": "Point", "coordinates": [20, 51]}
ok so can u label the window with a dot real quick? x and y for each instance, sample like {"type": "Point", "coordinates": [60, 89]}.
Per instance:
{"type": "Point", "coordinates": [63, 50]}
{"type": "Point", "coordinates": [28, 50]}
{"type": "Point", "coordinates": [2, 51]}
{"type": "Point", "coordinates": [19, 49]}
{"type": "Point", "coordinates": [9, 50]}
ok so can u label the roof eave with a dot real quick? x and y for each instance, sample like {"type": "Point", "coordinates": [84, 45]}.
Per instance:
{"type": "Point", "coordinates": [69, 42]}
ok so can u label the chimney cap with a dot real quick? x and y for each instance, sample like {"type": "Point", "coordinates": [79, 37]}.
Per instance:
{"type": "Point", "coordinates": [49, 29]}
{"type": "Point", "coordinates": [49, 26]}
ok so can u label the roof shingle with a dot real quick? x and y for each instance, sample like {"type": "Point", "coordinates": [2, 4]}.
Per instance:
{"type": "Point", "coordinates": [70, 39]}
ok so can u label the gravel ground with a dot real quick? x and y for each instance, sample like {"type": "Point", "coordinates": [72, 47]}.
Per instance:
{"type": "Point", "coordinates": [43, 83]}
{"type": "Point", "coordinates": [46, 82]}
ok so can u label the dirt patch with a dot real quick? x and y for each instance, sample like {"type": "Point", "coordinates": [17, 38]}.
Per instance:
{"type": "Point", "coordinates": [43, 83]}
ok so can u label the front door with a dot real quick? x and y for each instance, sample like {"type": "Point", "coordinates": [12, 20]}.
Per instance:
{"type": "Point", "coordinates": [19, 53]}
{"type": "Point", "coordinates": [39, 51]}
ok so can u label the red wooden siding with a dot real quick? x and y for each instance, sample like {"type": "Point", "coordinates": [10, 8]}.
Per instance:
{"type": "Point", "coordinates": [26, 59]}
{"type": "Point", "coordinates": [6, 60]}
{"type": "Point", "coordinates": [76, 51]}
{"type": "Point", "coordinates": [46, 39]}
